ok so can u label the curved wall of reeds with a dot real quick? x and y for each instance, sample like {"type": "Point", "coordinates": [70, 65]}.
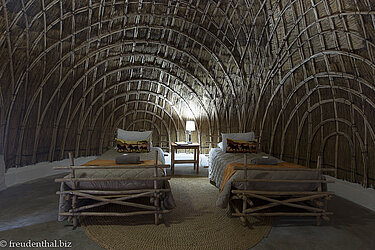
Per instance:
{"type": "Point", "coordinates": [299, 73]}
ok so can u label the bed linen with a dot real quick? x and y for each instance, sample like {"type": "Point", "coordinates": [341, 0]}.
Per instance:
{"type": "Point", "coordinates": [229, 169]}
{"type": "Point", "coordinates": [219, 160]}
{"type": "Point", "coordinates": [167, 200]}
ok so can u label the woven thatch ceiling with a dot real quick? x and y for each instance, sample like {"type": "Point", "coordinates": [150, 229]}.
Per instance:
{"type": "Point", "coordinates": [300, 73]}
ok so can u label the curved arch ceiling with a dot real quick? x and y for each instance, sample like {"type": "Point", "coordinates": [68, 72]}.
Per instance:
{"type": "Point", "coordinates": [299, 73]}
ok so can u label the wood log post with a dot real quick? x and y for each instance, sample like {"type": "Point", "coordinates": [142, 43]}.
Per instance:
{"type": "Point", "coordinates": [320, 189]}
{"type": "Point", "coordinates": [156, 193]}
{"type": "Point", "coordinates": [173, 151]}
{"type": "Point", "coordinates": [198, 159]}
{"type": "Point", "coordinates": [244, 197]}
{"type": "Point", "coordinates": [324, 201]}
{"type": "Point", "coordinates": [195, 158]}
{"type": "Point", "coordinates": [74, 187]}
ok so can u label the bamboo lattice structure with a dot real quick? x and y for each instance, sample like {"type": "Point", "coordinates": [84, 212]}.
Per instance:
{"type": "Point", "coordinates": [300, 73]}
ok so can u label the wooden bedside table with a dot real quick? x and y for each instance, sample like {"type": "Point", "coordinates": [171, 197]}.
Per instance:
{"type": "Point", "coordinates": [194, 146]}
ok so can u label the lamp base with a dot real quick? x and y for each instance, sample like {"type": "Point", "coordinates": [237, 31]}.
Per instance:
{"type": "Point", "coordinates": [189, 142]}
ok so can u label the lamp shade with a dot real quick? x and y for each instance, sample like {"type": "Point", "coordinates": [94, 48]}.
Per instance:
{"type": "Point", "coordinates": [190, 126]}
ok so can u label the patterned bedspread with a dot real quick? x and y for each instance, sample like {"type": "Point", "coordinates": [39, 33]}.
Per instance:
{"type": "Point", "coordinates": [220, 159]}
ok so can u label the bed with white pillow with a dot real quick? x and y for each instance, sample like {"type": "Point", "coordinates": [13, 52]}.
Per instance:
{"type": "Point", "coordinates": [219, 158]}
{"type": "Point", "coordinates": [115, 179]}
{"type": "Point", "coordinates": [268, 186]}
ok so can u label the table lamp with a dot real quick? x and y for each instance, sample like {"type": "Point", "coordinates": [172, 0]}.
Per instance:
{"type": "Point", "coordinates": [190, 126]}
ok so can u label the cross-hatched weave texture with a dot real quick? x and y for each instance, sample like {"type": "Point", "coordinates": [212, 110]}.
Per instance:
{"type": "Point", "coordinates": [300, 73]}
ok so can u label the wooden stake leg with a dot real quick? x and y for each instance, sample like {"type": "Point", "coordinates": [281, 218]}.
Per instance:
{"type": "Point", "coordinates": [237, 211]}
{"type": "Point", "coordinates": [75, 222]}
{"type": "Point", "coordinates": [318, 220]}
{"type": "Point", "coordinates": [244, 197]}
{"type": "Point", "coordinates": [74, 187]}
{"type": "Point", "coordinates": [156, 215]}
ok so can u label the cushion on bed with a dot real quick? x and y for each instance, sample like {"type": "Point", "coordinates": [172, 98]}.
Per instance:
{"type": "Point", "coordinates": [220, 144]}
{"type": "Point", "coordinates": [249, 136]}
{"type": "Point", "coordinates": [264, 160]}
{"type": "Point", "coordinates": [127, 159]}
{"type": "Point", "coordinates": [236, 146]}
{"type": "Point", "coordinates": [134, 135]}
{"type": "Point", "coordinates": [132, 146]}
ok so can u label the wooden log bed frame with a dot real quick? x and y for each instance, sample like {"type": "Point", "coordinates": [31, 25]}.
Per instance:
{"type": "Point", "coordinates": [312, 203]}
{"type": "Point", "coordinates": [119, 197]}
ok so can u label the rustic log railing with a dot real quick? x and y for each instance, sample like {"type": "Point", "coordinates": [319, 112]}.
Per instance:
{"type": "Point", "coordinates": [120, 197]}
{"type": "Point", "coordinates": [311, 202]}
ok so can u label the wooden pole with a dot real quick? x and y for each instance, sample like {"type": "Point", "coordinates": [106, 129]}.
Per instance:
{"type": "Point", "coordinates": [112, 179]}
{"type": "Point", "coordinates": [156, 193]}
{"type": "Point", "coordinates": [173, 149]}
{"type": "Point", "coordinates": [74, 187]}
{"type": "Point", "coordinates": [197, 158]}
{"type": "Point", "coordinates": [112, 214]}
{"type": "Point", "coordinates": [320, 188]}
{"type": "Point", "coordinates": [244, 197]}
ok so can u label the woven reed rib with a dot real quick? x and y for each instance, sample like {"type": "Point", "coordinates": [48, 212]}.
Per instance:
{"type": "Point", "coordinates": [298, 73]}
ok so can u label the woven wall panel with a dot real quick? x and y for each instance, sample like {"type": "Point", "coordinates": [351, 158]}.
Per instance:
{"type": "Point", "coordinates": [299, 73]}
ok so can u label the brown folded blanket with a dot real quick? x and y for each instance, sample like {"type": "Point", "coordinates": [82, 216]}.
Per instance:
{"type": "Point", "coordinates": [127, 159]}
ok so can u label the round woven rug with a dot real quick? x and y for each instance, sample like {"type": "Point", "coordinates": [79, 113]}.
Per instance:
{"type": "Point", "coordinates": [196, 223]}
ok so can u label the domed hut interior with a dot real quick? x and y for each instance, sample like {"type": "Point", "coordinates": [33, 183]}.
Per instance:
{"type": "Point", "coordinates": [173, 124]}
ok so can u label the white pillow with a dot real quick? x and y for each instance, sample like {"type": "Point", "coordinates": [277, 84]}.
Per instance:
{"type": "Point", "coordinates": [134, 135]}
{"type": "Point", "coordinates": [220, 144]}
{"type": "Point", "coordinates": [249, 136]}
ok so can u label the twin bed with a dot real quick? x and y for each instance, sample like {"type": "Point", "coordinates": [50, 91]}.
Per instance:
{"type": "Point", "coordinates": [102, 181]}
{"type": "Point", "coordinates": [280, 189]}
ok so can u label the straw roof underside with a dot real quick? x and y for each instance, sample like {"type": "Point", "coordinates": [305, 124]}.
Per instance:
{"type": "Point", "coordinates": [300, 73]}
